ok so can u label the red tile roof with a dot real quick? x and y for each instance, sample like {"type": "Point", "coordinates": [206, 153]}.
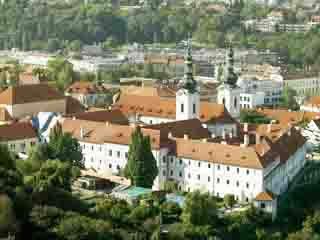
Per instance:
{"type": "Point", "coordinates": [29, 93]}
{"type": "Point", "coordinates": [17, 131]}
{"type": "Point", "coordinates": [86, 88]}
{"type": "Point", "coordinates": [166, 108]}
{"type": "Point", "coordinates": [112, 116]}
{"type": "Point", "coordinates": [265, 196]}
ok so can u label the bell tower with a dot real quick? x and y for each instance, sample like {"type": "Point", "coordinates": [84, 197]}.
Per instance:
{"type": "Point", "coordinates": [228, 91]}
{"type": "Point", "coordinates": [187, 97]}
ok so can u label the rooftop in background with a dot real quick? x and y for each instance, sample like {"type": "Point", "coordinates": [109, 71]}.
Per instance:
{"type": "Point", "coordinates": [86, 88]}
{"type": "Point", "coordinates": [29, 93]}
{"type": "Point", "coordinates": [111, 116]}
{"type": "Point", "coordinates": [17, 131]}
{"type": "Point", "coordinates": [285, 116]}
{"type": "Point", "coordinates": [166, 108]}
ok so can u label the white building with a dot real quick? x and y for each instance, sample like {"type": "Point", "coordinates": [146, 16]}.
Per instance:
{"type": "Point", "coordinates": [18, 136]}
{"type": "Point", "coordinates": [88, 93]}
{"type": "Point", "coordinates": [263, 158]}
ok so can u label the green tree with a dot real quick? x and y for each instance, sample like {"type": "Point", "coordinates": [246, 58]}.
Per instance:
{"type": "Point", "coordinates": [199, 209]}
{"type": "Point", "coordinates": [8, 221]}
{"type": "Point", "coordinates": [53, 44]}
{"type": "Point", "coordinates": [288, 98]}
{"type": "Point", "coordinates": [64, 147]}
{"type": "Point", "coordinates": [141, 167]}
{"type": "Point", "coordinates": [148, 71]}
{"type": "Point", "coordinates": [229, 200]}
{"type": "Point", "coordinates": [52, 174]}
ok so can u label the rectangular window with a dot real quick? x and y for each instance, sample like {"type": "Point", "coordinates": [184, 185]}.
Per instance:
{"type": "Point", "coordinates": [194, 108]}
{"type": "Point", "coordinates": [164, 173]}
{"type": "Point", "coordinates": [189, 175]}
{"type": "Point", "coordinates": [238, 170]}
{"type": "Point", "coordinates": [209, 165]}
{"type": "Point", "coordinates": [110, 153]}
{"type": "Point", "coordinates": [110, 165]}
{"type": "Point", "coordinates": [247, 172]}
{"type": "Point", "coordinates": [126, 154]}
{"type": "Point", "coordinates": [182, 107]}
{"type": "Point", "coordinates": [199, 164]}
{"type": "Point", "coordinates": [228, 181]}
{"type": "Point", "coordinates": [218, 180]}
{"type": "Point", "coordinates": [118, 154]}
{"type": "Point", "coordinates": [198, 176]}
{"type": "Point", "coordinates": [218, 167]}
{"type": "Point", "coordinates": [171, 173]}
{"type": "Point", "coordinates": [247, 185]}
{"type": "Point", "coordinates": [164, 159]}
{"type": "Point", "coordinates": [180, 174]}
{"type": "Point", "coordinates": [91, 148]}
{"type": "Point", "coordinates": [209, 179]}
{"type": "Point", "coordinates": [180, 161]}
{"type": "Point", "coordinates": [228, 169]}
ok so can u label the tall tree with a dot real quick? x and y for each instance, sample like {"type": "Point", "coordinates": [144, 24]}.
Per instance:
{"type": "Point", "coordinates": [64, 147]}
{"type": "Point", "coordinates": [141, 167]}
{"type": "Point", "coordinates": [199, 209]}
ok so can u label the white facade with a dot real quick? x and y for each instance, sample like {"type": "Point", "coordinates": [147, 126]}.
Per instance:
{"type": "Point", "coordinates": [230, 97]}
{"type": "Point", "coordinates": [252, 100]}
{"type": "Point", "coordinates": [187, 105]}
{"type": "Point", "coordinates": [21, 145]}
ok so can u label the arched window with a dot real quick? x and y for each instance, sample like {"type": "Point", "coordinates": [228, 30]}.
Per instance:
{"type": "Point", "coordinates": [235, 102]}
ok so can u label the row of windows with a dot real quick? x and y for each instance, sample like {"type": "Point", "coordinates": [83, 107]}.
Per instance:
{"type": "Point", "coordinates": [12, 146]}
{"type": "Point", "coordinates": [245, 99]}
{"type": "Point", "coordinates": [199, 164]}
{"type": "Point", "coordinates": [237, 183]}
{"type": "Point", "coordinates": [110, 152]}
{"type": "Point", "coordinates": [110, 165]}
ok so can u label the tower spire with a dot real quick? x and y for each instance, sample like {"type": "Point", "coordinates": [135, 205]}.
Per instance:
{"type": "Point", "coordinates": [188, 81]}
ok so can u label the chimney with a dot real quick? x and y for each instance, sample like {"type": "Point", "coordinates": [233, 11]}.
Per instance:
{"type": "Point", "coordinates": [170, 135]}
{"type": "Point", "coordinates": [223, 134]}
{"type": "Point", "coordinates": [258, 138]}
{"type": "Point", "coordinates": [290, 129]}
{"type": "Point", "coordinates": [185, 136]}
{"type": "Point", "coordinates": [81, 132]}
{"type": "Point", "coordinates": [230, 135]}
{"type": "Point", "coordinates": [245, 127]}
{"type": "Point", "coordinates": [246, 140]}
{"type": "Point", "coordinates": [269, 127]}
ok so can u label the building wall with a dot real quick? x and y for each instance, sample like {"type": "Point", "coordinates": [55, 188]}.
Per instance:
{"type": "Point", "coordinates": [278, 179]}
{"type": "Point", "coordinates": [230, 97]}
{"type": "Point", "coordinates": [22, 145]}
{"type": "Point", "coordinates": [154, 120]}
{"type": "Point", "coordinates": [304, 85]}
{"type": "Point", "coordinates": [187, 105]}
{"type": "Point", "coordinates": [27, 109]}
{"type": "Point", "coordinates": [90, 99]}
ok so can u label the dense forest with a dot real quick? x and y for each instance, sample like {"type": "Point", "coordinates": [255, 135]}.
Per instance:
{"type": "Point", "coordinates": [51, 26]}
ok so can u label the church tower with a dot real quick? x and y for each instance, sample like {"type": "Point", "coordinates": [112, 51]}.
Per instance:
{"type": "Point", "coordinates": [228, 91]}
{"type": "Point", "coordinates": [187, 97]}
